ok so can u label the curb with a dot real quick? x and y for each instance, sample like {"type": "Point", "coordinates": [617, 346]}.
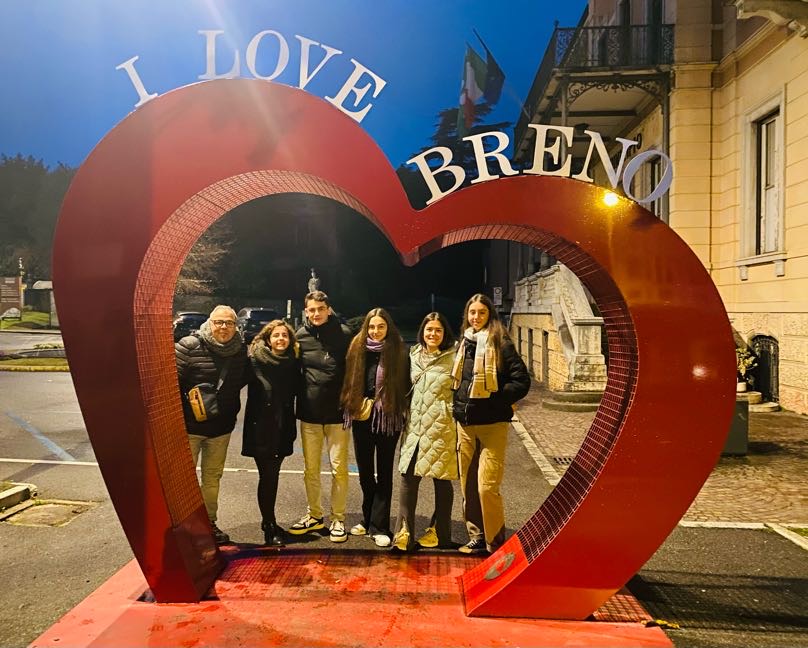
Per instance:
{"type": "Point", "coordinates": [546, 468]}
{"type": "Point", "coordinates": [38, 368]}
{"type": "Point", "coordinates": [15, 495]}
{"type": "Point", "coordinates": [788, 534]}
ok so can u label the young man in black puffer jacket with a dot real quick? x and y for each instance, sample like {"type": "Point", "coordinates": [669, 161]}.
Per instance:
{"type": "Point", "coordinates": [323, 345]}
{"type": "Point", "coordinates": [204, 358]}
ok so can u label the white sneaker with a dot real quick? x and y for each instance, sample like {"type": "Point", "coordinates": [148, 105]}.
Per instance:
{"type": "Point", "coordinates": [381, 540]}
{"type": "Point", "coordinates": [337, 531]}
{"type": "Point", "coordinates": [358, 529]}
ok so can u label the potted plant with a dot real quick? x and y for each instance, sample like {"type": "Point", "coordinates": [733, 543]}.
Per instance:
{"type": "Point", "coordinates": [746, 361]}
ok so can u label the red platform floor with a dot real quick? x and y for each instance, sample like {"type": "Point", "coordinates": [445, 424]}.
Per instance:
{"type": "Point", "coordinates": [338, 598]}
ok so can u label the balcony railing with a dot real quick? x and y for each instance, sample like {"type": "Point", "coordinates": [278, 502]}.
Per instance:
{"type": "Point", "coordinates": [582, 49]}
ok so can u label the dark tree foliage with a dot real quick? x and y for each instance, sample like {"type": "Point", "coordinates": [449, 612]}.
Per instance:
{"type": "Point", "coordinates": [30, 198]}
{"type": "Point", "coordinates": [203, 272]}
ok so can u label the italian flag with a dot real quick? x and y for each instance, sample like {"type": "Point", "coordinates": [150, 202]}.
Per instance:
{"type": "Point", "coordinates": [480, 79]}
{"type": "Point", "coordinates": [471, 90]}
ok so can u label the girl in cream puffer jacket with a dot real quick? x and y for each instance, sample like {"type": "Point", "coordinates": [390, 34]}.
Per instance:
{"type": "Point", "coordinates": [429, 447]}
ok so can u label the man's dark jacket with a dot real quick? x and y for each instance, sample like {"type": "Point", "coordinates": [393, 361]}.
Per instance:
{"type": "Point", "coordinates": [198, 363]}
{"type": "Point", "coordinates": [322, 355]}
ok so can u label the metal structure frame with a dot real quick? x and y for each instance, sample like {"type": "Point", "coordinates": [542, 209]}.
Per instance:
{"type": "Point", "coordinates": [170, 169]}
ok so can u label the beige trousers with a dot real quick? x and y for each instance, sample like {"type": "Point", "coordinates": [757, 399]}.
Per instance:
{"type": "Point", "coordinates": [214, 453]}
{"type": "Point", "coordinates": [337, 440]}
{"type": "Point", "coordinates": [479, 484]}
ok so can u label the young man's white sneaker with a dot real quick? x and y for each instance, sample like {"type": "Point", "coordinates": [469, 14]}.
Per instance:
{"type": "Point", "coordinates": [337, 531]}
{"type": "Point", "coordinates": [306, 524]}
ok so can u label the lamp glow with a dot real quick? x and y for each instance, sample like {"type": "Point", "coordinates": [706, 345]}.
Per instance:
{"type": "Point", "coordinates": [610, 199]}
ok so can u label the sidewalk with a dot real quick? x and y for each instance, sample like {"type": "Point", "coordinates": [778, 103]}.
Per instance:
{"type": "Point", "coordinates": [766, 486]}
{"type": "Point", "coordinates": [730, 574]}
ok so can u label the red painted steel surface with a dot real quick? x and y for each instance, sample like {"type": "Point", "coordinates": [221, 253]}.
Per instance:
{"type": "Point", "coordinates": [331, 599]}
{"type": "Point", "coordinates": [170, 169]}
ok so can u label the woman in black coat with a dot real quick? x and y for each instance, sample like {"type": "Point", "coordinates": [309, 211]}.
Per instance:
{"type": "Point", "coordinates": [489, 377]}
{"type": "Point", "coordinates": [269, 419]}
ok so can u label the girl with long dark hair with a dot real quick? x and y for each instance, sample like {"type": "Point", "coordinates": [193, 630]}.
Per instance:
{"type": "Point", "coordinates": [375, 368]}
{"type": "Point", "coordinates": [488, 377]}
{"type": "Point", "coordinates": [429, 447]}
{"type": "Point", "coordinates": [269, 420]}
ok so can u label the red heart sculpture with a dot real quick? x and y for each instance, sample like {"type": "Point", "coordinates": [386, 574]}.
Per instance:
{"type": "Point", "coordinates": [170, 169]}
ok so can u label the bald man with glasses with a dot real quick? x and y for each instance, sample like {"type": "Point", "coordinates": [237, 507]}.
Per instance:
{"type": "Point", "coordinates": [214, 355]}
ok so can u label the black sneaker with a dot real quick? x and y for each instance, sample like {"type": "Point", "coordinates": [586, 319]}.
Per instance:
{"type": "Point", "coordinates": [305, 524]}
{"type": "Point", "coordinates": [220, 536]}
{"type": "Point", "coordinates": [476, 546]}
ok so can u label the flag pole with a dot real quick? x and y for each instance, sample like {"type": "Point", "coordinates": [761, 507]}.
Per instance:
{"type": "Point", "coordinates": [480, 38]}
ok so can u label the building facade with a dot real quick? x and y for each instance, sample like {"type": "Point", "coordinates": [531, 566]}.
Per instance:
{"type": "Point", "coordinates": [721, 89]}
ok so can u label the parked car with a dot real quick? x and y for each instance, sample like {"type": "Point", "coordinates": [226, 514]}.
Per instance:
{"type": "Point", "coordinates": [252, 319]}
{"type": "Point", "coordinates": [187, 323]}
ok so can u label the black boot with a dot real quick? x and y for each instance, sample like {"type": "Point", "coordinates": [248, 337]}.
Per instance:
{"type": "Point", "coordinates": [273, 535]}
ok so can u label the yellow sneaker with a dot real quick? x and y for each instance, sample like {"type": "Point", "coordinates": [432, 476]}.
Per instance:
{"type": "Point", "coordinates": [429, 539]}
{"type": "Point", "coordinates": [401, 540]}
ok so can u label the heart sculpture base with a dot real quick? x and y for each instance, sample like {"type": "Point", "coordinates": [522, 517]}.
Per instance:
{"type": "Point", "coordinates": [337, 598]}
{"type": "Point", "coordinates": [166, 173]}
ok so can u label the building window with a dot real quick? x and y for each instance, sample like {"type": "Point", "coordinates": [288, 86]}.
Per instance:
{"type": "Point", "coordinates": [767, 185]}
{"type": "Point", "coordinates": [763, 212]}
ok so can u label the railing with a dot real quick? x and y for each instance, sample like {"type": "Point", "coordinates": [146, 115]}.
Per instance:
{"type": "Point", "coordinates": [590, 48]}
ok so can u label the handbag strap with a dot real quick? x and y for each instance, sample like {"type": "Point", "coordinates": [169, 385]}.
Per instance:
{"type": "Point", "coordinates": [223, 374]}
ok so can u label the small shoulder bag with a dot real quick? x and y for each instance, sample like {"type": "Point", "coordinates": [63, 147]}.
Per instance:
{"type": "Point", "coordinates": [204, 397]}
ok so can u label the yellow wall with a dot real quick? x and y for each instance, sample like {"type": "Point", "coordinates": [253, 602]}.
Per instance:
{"type": "Point", "coordinates": [709, 200]}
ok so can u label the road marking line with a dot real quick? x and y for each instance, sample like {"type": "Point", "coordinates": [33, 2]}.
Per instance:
{"type": "Point", "coordinates": [48, 461]}
{"type": "Point", "coordinates": [721, 524]}
{"type": "Point", "coordinates": [796, 538]}
{"type": "Point", "coordinates": [45, 441]}
{"type": "Point", "coordinates": [95, 464]}
{"type": "Point", "coordinates": [544, 465]}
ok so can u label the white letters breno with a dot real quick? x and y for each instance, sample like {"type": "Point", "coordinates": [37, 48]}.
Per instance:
{"type": "Point", "coordinates": [541, 149]}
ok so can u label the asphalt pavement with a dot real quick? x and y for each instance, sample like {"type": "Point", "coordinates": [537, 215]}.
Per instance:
{"type": "Point", "coordinates": [723, 586]}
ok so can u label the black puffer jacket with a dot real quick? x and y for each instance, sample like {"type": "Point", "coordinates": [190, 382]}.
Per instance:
{"type": "Point", "coordinates": [198, 363]}
{"type": "Point", "coordinates": [512, 379]}
{"type": "Point", "coordinates": [322, 355]}
{"type": "Point", "coordinates": [269, 418]}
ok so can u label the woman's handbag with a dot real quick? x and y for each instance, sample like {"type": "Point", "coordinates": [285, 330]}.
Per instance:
{"type": "Point", "coordinates": [365, 409]}
{"type": "Point", "coordinates": [203, 397]}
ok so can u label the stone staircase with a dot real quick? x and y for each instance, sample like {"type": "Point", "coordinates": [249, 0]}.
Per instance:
{"type": "Point", "coordinates": [572, 401]}
{"type": "Point", "coordinates": [756, 404]}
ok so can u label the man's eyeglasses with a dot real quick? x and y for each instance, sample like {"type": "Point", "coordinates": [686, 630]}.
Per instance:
{"type": "Point", "coordinates": [223, 323]}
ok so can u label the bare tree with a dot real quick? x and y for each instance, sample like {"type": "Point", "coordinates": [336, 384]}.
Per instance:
{"type": "Point", "coordinates": [203, 272]}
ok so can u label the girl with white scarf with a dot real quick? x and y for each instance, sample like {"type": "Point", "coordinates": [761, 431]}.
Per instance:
{"type": "Point", "coordinates": [489, 377]}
